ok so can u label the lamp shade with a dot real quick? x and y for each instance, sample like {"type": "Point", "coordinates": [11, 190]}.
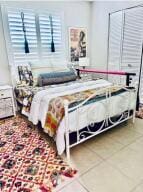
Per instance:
{"type": "Point", "coordinates": [83, 61]}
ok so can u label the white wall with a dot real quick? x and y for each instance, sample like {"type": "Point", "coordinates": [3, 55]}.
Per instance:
{"type": "Point", "coordinates": [76, 14]}
{"type": "Point", "coordinates": [99, 31]}
{"type": "Point", "coordinates": [4, 69]}
{"type": "Point", "coordinates": [93, 16]}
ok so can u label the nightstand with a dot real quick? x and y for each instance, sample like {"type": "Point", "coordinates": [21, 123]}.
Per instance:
{"type": "Point", "coordinates": [7, 105]}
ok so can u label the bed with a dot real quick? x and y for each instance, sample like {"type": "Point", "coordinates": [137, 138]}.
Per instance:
{"type": "Point", "coordinates": [75, 111]}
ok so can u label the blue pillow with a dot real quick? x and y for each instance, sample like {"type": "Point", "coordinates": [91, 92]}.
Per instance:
{"type": "Point", "coordinates": [56, 78]}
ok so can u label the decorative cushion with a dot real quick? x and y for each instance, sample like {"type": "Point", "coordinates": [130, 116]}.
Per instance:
{"type": "Point", "coordinates": [48, 66]}
{"type": "Point", "coordinates": [56, 78]}
{"type": "Point", "coordinates": [25, 75]}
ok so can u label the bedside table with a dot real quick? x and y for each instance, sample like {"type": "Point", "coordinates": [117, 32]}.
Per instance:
{"type": "Point", "coordinates": [7, 105]}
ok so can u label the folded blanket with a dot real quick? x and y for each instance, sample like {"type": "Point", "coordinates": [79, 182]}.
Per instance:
{"type": "Point", "coordinates": [56, 110]}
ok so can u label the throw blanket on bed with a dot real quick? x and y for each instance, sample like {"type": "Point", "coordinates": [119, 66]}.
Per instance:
{"type": "Point", "coordinates": [56, 110]}
{"type": "Point", "coordinates": [24, 95]}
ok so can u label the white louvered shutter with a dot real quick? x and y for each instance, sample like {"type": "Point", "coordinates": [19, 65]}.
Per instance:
{"type": "Point", "coordinates": [141, 87]}
{"type": "Point", "coordinates": [132, 41]}
{"type": "Point", "coordinates": [17, 36]}
{"type": "Point", "coordinates": [45, 34]}
{"type": "Point", "coordinates": [114, 52]}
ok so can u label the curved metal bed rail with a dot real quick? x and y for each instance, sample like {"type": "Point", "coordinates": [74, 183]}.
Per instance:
{"type": "Point", "coordinates": [108, 122]}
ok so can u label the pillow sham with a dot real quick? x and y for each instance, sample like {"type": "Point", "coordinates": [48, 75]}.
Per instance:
{"type": "Point", "coordinates": [56, 78]}
{"type": "Point", "coordinates": [25, 75]}
{"type": "Point", "coordinates": [48, 67]}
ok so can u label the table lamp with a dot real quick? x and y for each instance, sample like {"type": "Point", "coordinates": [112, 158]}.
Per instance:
{"type": "Point", "coordinates": [83, 62]}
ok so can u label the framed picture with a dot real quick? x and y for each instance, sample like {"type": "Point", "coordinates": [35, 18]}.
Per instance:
{"type": "Point", "coordinates": [77, 43]}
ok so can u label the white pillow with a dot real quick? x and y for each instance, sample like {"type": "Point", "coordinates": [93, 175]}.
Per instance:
{"type": "Point", "coordinates": [59, 65]}
{"type": "Point", "coordinates": [48, 66]}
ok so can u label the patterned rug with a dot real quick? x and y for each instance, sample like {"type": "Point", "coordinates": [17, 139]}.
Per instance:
{"type": "Point", "coordinates": [27, 161]}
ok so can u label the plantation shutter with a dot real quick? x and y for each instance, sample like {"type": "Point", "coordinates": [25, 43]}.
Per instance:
{"type": "Point", "coordinates": [114, 52]}
{"type": "Point", "coordinates": [46, 37]}
{"type": "Point", "coordinates": [132, 41]}
{"type": "Point", "coordinates": [17, 36]}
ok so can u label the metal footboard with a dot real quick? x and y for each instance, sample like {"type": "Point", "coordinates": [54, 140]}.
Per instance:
{"type": "Point", "coordinates": [106, 124]}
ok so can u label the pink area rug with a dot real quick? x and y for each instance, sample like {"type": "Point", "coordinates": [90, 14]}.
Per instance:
{"type": "Point", "coordinates": [27, 161]}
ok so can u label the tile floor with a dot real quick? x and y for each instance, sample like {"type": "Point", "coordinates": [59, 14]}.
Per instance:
{"type": "Point", "coordinates": [110, 162]}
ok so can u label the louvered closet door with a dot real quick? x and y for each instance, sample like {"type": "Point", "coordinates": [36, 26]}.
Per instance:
{"type": "Point", "coordinates": [114, 51]}
{"type": "Point", "coordinates": [132, 41]}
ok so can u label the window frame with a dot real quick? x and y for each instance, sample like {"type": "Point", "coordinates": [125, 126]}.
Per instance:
{"type": "Point", "coordinates": [5, 23]}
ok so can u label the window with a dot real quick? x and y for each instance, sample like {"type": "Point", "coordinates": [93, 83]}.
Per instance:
{"type": "Point", "coordinates": [17, 36]}
{"type": "Point", "coordinates": [40, 31]}
{"type": "Point", "coordinates": [46, 36]}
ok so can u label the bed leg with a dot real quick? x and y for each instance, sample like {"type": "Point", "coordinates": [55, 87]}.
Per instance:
{"type": "Point", "coordinates": [67, 130]}
{"type": "Point", "coordinates": [134, 116]}
{"type": "Point", "coordinates": [68, 153]}
{"type": "Point", "coordinates": [135, 109]}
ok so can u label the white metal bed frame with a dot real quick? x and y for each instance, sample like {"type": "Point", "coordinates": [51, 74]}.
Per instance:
{"type": "Point", "coordinates": [124, 116]}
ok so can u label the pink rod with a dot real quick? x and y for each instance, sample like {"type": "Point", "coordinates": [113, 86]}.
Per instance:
{"type": "Point", "coordinates": [103, 71]}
